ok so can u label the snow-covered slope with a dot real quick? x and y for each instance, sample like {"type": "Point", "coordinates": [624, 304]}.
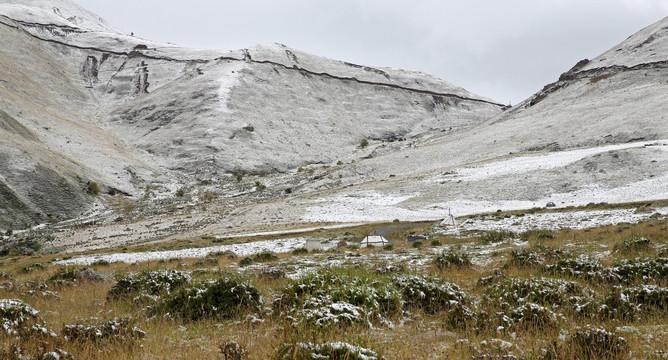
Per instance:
{"type": "Point", "coordinates": [81, 101]}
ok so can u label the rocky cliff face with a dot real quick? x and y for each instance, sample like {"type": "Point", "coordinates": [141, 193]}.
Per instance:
{"type": "Point", "coordinates": [81, 102]}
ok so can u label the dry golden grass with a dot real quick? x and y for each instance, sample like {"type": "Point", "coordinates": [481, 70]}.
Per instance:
{"type": "Point", "coordinates": [416, 335]}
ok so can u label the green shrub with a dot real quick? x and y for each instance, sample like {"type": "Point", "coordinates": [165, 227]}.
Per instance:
{"type": "Point", "coordinates": [225, 297]}
{"type": "Point", "coordinates": [452, 258]}
{"type": "Point", "coordinates": [524, 258]}
{"type": "Point", "coordinates": [641, 269]}
{"type": "Point", "coordinates": [436, 242]}
{"type": "Point", "coordinates": [595, 343]}
{"type": "Point", "coordinates": [364, 143]}
{"type": "Point", "coordinates": [633, 244]}
{"type": "Point", "coordinates": [417, 244]}
{"type": "Point", "coordinates": [431, 294]}
{"type": "Point", "coordinates": [493, 237]}
{"type": "Point", "coordinates": [159, 282]}
{"type": "Point", "coordinates": [542, 291]}
{"type": "Point", "coordinates": [18, 319]}
{"type": "Point", "coordinates": [119, 330]}
{"type": "Point", "coordinates": [93, 188]}
{"type": "Point", "coordinates": [534, 316]}
{"type": "Point", "coordinates": [374, 293]}
{"type": "Point", "coordinates": [631, 302]}
{"type": "Point", "coordinates": [545, 235]}
{"type": "Point", "coordinates": [583, 268]}
{"type": "Point", "coordinates": [265, 256]}
{"type": "Point", "coordinates": [239, 177]}
{"type": "Point", "coordinates": [246, 261]}
{"type": "Point", "coordinates": [299, 251]}
{"type": "Point", "coordinates": [333, 351]}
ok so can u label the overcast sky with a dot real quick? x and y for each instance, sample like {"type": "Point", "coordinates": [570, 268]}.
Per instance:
{"type": "Point", "coordinates": [504, 50]}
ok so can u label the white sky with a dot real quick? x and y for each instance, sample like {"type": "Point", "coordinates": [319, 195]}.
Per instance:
{"type": "Point", "coordinates": [504, 50]}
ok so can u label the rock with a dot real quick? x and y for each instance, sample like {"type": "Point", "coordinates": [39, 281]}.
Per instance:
{"type": "Point", "coordinates": [90, 275]}
{"type": "Point", "coordinates": [550, 205]}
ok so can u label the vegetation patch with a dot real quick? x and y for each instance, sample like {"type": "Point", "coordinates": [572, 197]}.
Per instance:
{"type": "Point", "coordinates": [591, 343]}
{"type": "Point", "coordinates": [634, 244]}
{"type": "Point", "coordinates": [159, 282]}
{"type": "Point", "coordinates": [375, 294]}
{"type": "Point", "coordinates": [22, 321]}
{"type": "Point", "coordinates": [493, 237]}
{"type": "Point", "coordinates": [584, 268]}
{"type": "Point", "coordinates": [452, 258]}
{"type": "Point", "coordinates": [524, 259]}
{"type": "Point", "coordinates": [332, 350]}
{"type": "Point", "coordinates": [641, 269]}
{"type": "Point", "coordinates": [631, 302]}
{"type": "Point", "coordinates": [225, 297]}
{"type": "Point", "coordinates": [431, 294]}
{"type": "Point", "coordinates": [543, 291]}
{"type": "Point", "coordinates": [118, 330]}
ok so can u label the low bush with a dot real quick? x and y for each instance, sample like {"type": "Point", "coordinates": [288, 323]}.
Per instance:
{"type": "Point", "coordinates": [160, 283]}
{"type": "Point", "coordinates": [119, 331]}
{"type": "Point", "coordinates": [634, 244]}
{"type": "Point", "coordinates": [452, 258]}
{"type": "Point", "coordinates": [374, 293]}
{"type": "Point", "coordinates": [225, 297]}
{"type": "Point", "coordinates": [535, 317]}
{"type": "Point", "coordinates": [632, 302]}
{"type": "Point", "coordinates": [339, 314]}
{"type": "Point", "coordinates": [524, 259]}
{"type": "Point", "coordinates": [493, 237]}
{"type": "Point", "coordinates": [20, 320]}
{"type": "Point", "coordinates": [265, 256]}
{"type": "Point", "coordinates": [431, 294]}
{"type": "Point", "coordinates": [584, 268]}
{"type": "Point", "coordinates": [333, 351]}
{"type": "Point", "coordinates": [641, 269]}
{"type": "Point", "coordinates": [590, 343]}
{"type": "Point", "coordinates": [542, 291]}
{"type": "Point", "coordinates": [300, 251]}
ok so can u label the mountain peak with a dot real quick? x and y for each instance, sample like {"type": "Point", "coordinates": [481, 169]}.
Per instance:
{"type": "Point", "coordinates": [64, 13]}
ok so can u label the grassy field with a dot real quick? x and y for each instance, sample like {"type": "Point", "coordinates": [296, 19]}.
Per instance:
{"type": "Point", "coordinates": [588, 294]}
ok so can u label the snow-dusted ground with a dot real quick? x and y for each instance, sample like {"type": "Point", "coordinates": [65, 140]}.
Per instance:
{"type": "Point", "coordinates": [524, 164]}
{"type": "Point", "coordinates": [419, 200]}
{"type": "Point", "coordinates": [575, 220]}
{"type": "Point", "coordinates": [245, 249]}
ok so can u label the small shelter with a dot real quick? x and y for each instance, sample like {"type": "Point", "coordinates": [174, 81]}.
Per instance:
{"type": "Point", "coordinates": [374, 240]}
{"type": "Point", "coordinates": [450, 220]}
{"type": "Point", "coordinates": [313, 244]}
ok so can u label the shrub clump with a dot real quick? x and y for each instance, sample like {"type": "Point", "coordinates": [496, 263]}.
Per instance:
{"type": "Point", "coordinates": [630, 302]}
{"type": "Point", "coordinates": [159, 283]}
{"type": "Point", "coordinates": [452, 258]}
{"type": "Point", "coordinates": [339, 314]}
{"type": "Point", "coordinates": [373, 293]}
{"type": "Point", "coordinates": [524, 258]}
{"type": "Point", "coordinates": [633, 244]}
{"type": "Point", "coordinates": [22, 321]}
{"type": "Point", "coordinates": [534, 316]}
{"type": "Point", "coordinates": [300, 251]}
{"type": "Point", "coordinates": [591, 343]}
{"type": "Point", "coordinates": [493, 237]}
{"type": "Point", "coordinates": [225, 297]}
{"type": "Point", "coordinates": [332, 350]}
{"type": "Point", "coordinates": [119, 330]}
{"type": "Point", "coordinates": [582, 268]}
{"type": "Point", "coordinates": [543, 291]}
{"type": "Point", "coordinates": [428, 293]}
{"type": "Point", "coordinates": [641, 269]}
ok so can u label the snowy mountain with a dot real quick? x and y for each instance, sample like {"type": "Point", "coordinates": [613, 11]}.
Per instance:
{"type": "Point", "coordinates": [82, 102]}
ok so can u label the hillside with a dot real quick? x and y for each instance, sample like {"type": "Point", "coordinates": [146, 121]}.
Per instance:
{"type": "Point", "coordinates": [85, 102]}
